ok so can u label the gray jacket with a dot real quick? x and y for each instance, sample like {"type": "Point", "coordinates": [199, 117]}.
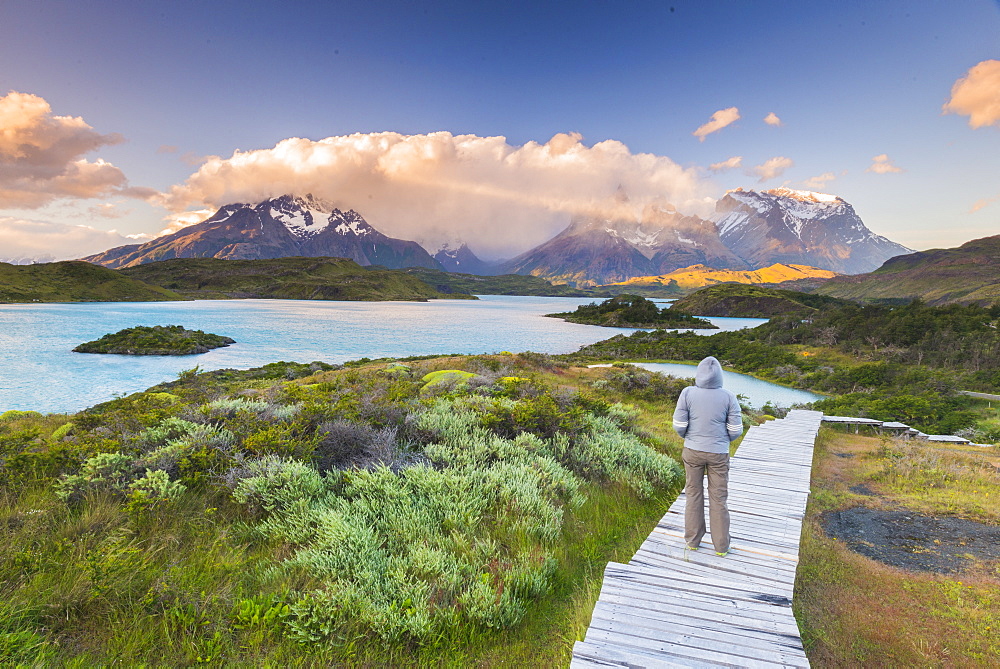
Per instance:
{"type": "Point", "coordinates": [707, 415]}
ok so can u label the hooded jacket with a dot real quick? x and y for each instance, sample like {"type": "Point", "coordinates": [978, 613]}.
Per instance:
{"type": "Point", "coordinates": [707, 415]}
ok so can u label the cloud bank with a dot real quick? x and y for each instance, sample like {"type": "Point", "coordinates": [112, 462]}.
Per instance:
{"type": "Point", "coordinates": [499, 198]}
{"type": "Point", "coordinates": [771, 168]}
{"type": "Point", "coordinates": [43, 241]}
{"type": "Point", "coordinates": [41, 156]}
{"type": "Point", "coordinates": [772, 119]}
{"type": "Point", "coordinates": [882, 164]}
{"type": "Point", "coordinates": [719, 120]}
{"type": "Point", "coordinates": [977, 95]}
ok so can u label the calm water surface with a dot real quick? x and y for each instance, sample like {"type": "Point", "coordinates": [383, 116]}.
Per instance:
{"type": "Point", "coordinates": [39, 371]}
{"type": "Point", "coordinates": [756, 392]}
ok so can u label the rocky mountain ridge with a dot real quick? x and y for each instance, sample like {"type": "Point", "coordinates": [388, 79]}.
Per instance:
{"type": "Point", "coordinates": [275, 228]}
{"type": "Point", "coordinates": [788, 226]}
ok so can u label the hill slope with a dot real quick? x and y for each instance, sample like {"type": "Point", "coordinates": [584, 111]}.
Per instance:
{"type": "Point", "coordinates": [969, 274]}
{"type": "Point", "coordinates": [747, 301]}
{"type": "Point", "coordinates": [284, 278]}
{"type": "Point", "coordinates": [75, 281]}
{"type": "Point", "coordinates": [699, 276]}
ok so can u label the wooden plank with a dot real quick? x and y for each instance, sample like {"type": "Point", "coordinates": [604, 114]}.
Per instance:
{"type": "Point", "coordinates": [605, 655]}
{"type": "Point", "coordinates": [704, 600]}
{"type": "Point", "coordinates": [756, 644]}
{"type": "Point", "coordinates": [677, 651]}
{"type": "Point", "coordinates": [734, 564]}
{"type": "Point", "coordinates": [706, 573]}
{"type": "Point", "coordinates": [751, 636]}
{"type": "Point", "coordinates": [652, 579]}
{"type": "Point", "coordinates": [706, 609]}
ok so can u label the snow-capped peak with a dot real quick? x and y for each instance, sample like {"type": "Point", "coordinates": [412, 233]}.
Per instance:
{"type": "Point", "coordinates": [804, 195]}
{"type": "Point", "coordinates": [302, 216]}
{"type": "Point", "coordinates": [350, 222]}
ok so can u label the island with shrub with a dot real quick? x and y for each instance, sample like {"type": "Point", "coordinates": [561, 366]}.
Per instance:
{"type": "Point", "coordinates": [632, 311]}
{"type": "Point", "coordinates": [156, 340]}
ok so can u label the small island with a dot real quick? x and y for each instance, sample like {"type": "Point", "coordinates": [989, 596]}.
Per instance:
{"type": "Point", "coordinates": [156, 340]}
{"type": "Point", "coordinates": [632, 311]}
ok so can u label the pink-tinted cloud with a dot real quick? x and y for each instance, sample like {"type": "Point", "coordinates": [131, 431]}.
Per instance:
{"type": "Point", "coordinates": [882, 164]}
{"type": "Point", "coordinates": [719, 120]}
{"type": "Point", "coordinates": [977, 95]}
{"type": "Point", "coordinates": [772, 119]}
{"type": "Point", "coordinates": [500, 198]}
{"type": "Point", "coordinates": [727, 164]}
{"type": "Point", "coordinates": [819, 182]}
{"type": "Point", "coordinates": [983, 203]}
{"type": "Point", "coordinates": [771, 168]}
{"type": "Point", "coordinates": [41, 155]}
{"type": "Point", "coordinates": [43, 241]}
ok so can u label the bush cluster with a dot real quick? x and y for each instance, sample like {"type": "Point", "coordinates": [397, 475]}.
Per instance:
{"type": "Point", "coordinates": [407, 507]}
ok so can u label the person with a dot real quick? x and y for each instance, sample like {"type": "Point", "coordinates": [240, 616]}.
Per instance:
{"type": "Point", "coordinates": [708, 417]}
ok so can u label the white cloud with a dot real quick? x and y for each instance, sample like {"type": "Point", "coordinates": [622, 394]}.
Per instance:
{"type": "Point", "coordinates": [719, 120]}
{"type": "Point", "coordinates": [819, 182]}
{"type": "Point", "coordinates": [881, 164]}
{"type": "Point", "coordinates": [771, 168]}
{"type": "Point", "coordinates": [727, 164]}
{"type": "Point", "coordinates": [977, 95]}
{"type": "Point", "coordinates": [502, 199]}
{"type": "Point", "coordinates": [772, 119]}
{"type": "Point", "coordinates": [44, 240]}
{"type": "Point", "coordinates": [41, 156]}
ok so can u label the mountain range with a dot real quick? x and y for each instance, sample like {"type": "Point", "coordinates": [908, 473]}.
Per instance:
{"type": "Point", "coordinates": [800, 227]}
{"type": "Point", "coordinates": [276, 228]}
{"type": "Point", "coordinates": [749, 230]}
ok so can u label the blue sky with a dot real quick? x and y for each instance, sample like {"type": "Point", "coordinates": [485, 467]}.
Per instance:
{"type": "Point", "coordinates": [165, 85]}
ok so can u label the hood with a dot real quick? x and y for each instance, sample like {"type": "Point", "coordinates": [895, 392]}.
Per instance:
{"type": "Point", "coordinates": [709, 374]}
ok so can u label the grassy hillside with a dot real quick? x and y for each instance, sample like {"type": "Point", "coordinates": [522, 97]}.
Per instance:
{"type": "Point", "coordinates": [504, 284]}
{"type": "Point", "coordinates": [969, 274]}
{"type": "Point", "coordinates": [74, 281]}
{"type": "Point", "coordinates": [443, 512]}
{"type": "Point", "coordinates": [748, 301]}
{"type": "Point", "coordinates": [294, 278]}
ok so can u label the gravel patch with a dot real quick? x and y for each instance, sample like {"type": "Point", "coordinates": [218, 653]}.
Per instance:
{"type": "Point", "coordinates": [914, 541]}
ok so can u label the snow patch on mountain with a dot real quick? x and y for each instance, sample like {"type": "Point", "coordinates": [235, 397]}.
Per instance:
{"type": "Point", "coordinates": [350, 223]}
{"type": "Point", "coordinates": [302, 222]}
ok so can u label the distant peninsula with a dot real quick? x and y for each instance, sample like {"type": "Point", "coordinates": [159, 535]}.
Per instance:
{"type": "Point", "coordinates": [738, 300]}
{"type": "Point", "coordinates": [632, 311]}
{"type": "Point", "coordinates": [155, 340]}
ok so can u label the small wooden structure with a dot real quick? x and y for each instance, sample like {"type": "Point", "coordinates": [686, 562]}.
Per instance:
{"type": "Point", "coordinates": [672, 607]}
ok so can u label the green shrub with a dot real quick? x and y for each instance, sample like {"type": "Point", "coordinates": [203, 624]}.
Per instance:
{"type": "Point", "coordinates": [153, 489]}
{"type": "Point", "coordinates": [110, 472]}
{"type": "Point", "coordinates": [61, 431]}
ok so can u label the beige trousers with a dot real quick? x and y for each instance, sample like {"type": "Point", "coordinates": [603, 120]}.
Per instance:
{"type": "Point", "coordinates": [696, 465]}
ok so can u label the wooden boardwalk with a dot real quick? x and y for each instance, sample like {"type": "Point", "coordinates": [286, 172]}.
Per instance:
{"type": "Point", "coordinates": [671, 607]}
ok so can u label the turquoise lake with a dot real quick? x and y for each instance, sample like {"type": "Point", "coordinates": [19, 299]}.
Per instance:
{"type": "Point", "coordinates": [39, 371]}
